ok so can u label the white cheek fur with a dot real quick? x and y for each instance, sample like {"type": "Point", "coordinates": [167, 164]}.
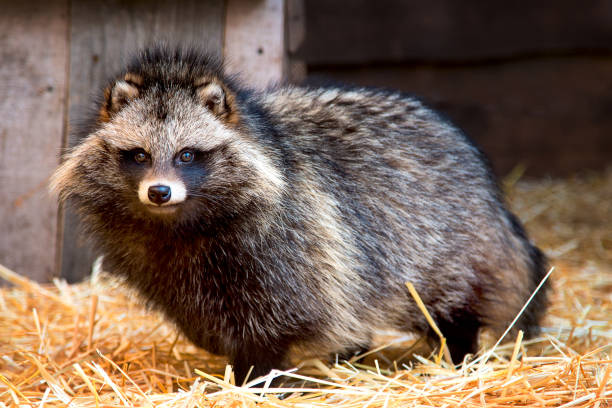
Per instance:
{"type": "Point", "coordinates": [178, 192]}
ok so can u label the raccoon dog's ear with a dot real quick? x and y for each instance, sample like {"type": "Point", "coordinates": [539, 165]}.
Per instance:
{"type": "Point", "coordinates": [119, 94]}
{"type": "Point", "coordinates": [213, 96]}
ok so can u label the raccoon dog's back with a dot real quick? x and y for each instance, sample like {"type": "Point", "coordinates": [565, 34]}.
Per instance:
{"type": "Point", "coordinates": [258, 222]}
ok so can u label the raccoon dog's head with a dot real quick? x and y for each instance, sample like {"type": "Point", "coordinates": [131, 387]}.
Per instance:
{"type": "Point", "coordinates": [171, 144]}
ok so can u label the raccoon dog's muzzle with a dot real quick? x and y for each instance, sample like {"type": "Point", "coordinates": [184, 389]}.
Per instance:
{"type": "Point", "coordinates": [161, 193]}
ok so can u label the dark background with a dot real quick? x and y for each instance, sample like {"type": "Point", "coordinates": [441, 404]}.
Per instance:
{"type": "Point", "coordinates": [529, 81]}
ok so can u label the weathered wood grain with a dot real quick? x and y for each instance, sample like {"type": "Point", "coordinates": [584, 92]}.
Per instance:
{"type": "Point", "coordinates": [255, 40]}
{"type": "Point", "coordinates": [33, 72]}
{"type": "Point", "coordinates": [103, 36]}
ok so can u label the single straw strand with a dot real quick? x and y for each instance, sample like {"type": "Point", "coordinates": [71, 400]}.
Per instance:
{"type": "Point", "coordinates": [517, 345]}
{"type": "Point", "coordinates": [432, 323]}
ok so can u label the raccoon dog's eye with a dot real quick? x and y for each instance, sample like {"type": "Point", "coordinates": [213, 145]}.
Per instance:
{"type": "Point", "coordinates": [186, 156]}
{"type": "Point", "coordinates": [140, 157]}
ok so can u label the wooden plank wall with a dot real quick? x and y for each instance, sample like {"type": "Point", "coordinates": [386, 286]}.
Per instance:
{"type": "Point", "coordinates": [349, 32]}
{"type": "Point", "coordinates": [56, 55]}
{"type": "Point", "coordinates": [250, 50]}
{"type": "Point", "coordinates": [33, 55]}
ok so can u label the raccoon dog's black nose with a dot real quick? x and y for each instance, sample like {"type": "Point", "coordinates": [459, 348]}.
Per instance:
{"type": "Point", "coordinates": [159, 194]}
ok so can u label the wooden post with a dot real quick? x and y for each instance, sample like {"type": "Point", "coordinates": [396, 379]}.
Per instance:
{"type": "Point", "coordinates": [295, 28]}
{"type": "Point", "coordinates": [254, 44]}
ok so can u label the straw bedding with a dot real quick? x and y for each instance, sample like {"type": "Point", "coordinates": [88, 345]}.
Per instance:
{"type": "Point", "coordinates": [93, 345]}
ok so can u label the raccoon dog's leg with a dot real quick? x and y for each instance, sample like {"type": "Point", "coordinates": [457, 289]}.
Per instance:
{"type": "Point", "coordinates": [461, 332]}
{"type": "Point", "coordinates": [263, 359]}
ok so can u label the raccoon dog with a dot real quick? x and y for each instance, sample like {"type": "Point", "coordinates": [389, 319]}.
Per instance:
{"type": "Point", "coordinates": [292, 218]}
